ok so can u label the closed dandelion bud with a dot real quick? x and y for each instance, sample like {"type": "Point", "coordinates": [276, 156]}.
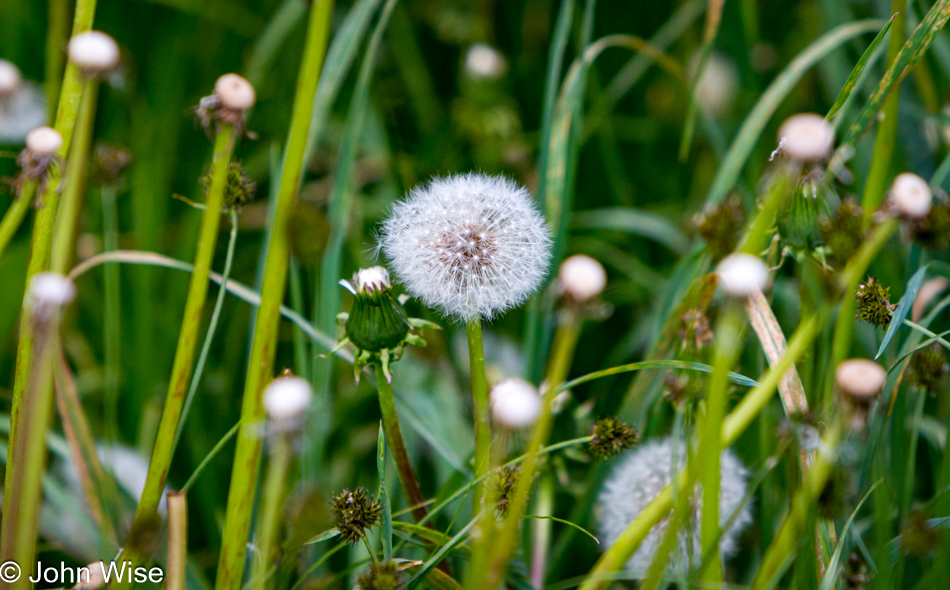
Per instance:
{"type": "Point", "coordinates": [611, 436]}
{"type": "Point", "coordinates": [928, 368]}
{"type": "Point", "coordinates": [806, 137]}
{"type": "Point", "coordinates": [10, 79]}
{"type": "Point", "coordinates": [918, 537]}
{"type": "Point", "coordinates": [470, 245]}
{"type": "Point", "coordinates": [355, 513]}
{"type": "Point", "coordinates": [286, 400]}
{"type": "Point", "coordinates": [873, 302]}
{"type": "Point", "coordinates": [581, 278]}
{"type": "Point", "coordinates": [383, 575]}
{"type": "Point", "coordinates": [49, 293]}
{"type": "Point", "coordinates": [721, 225]}
{"type": "Point", "coordinates": [640, 475]}
{"type": "Point", "coordinates": [94, 52]}
{"type": "Point", "coordinates": [377, 320]}
{"type": "Point", "coordinates": [238, 189]}
{"type": "Point", "coordinates": [742, 275]}
{"type": "Point", "coordinates": [91, 577]}
{"type": "Point", "coordinates": [911, 196]}
{"type": "Point", "coordinates": [515, 403]}
{"type": "Point", "coordinates": [482, 61]}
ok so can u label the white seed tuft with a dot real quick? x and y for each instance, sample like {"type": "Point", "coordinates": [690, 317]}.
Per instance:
{"type": "Point", "coordinates": [44, 141]}
{"type": "Point", "coordinates": [581, 278]}
{"type": "Point", "coordinates": [639, 477]}
{"type": "Point", "coordinates": [235, 92]}
{"type": "Point", "coordinates": [911, 195]}
{"type": "Point", "coordinates": [52, 290]}
{"type": "Point", "coordinates": [10, 79]}
{"type": "Point", "coordinates": [471, 245]}
{"type": "Point", "coordinates": [862, 379]}
{"type": "Point", "coordinates": [807, 137]}
{"type": "Point", "coordinates": [484, 61]}
{"type": "Point", "coordinates": [742, 275]}
{"type": "Point", "coordinates": [287, 398]}
{"type": "Point", "coordinates": [94, 52]}
{"type": "Point", "coordinates": [375, 278]}
{"type": "Point", "coordinates": [515, 403]}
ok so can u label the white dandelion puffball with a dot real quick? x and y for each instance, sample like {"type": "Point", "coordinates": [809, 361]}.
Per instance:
{"type": "Point", "coordinates": [807, 137]}
{"type": "Point", "coordinates": [94, 52]}
{"type": "Point", "coordinates": [44, 141]}
{"type": "Point", "coordinates": [287, 398]}
{"type": "Point", "coordinates": [235, 92]}
{"type": "Point", "coordinates": [742, 275]}
{"type": "Point", "coordinates": [10, 79]}
{"type": "Point", "coordinates": [581, 278]}
{"type": "Point", "coordinates": [515, 403]}
{"type": "Point", "coordinates": [911, 195]}
{"type": "Point", "coordinates": [484, 61]}
{"type": "Point", "coordinates": [640, 476]}
{"type": "Point", "coordinates": [51, 289]}
{"type": "Point", "coordinates": [470, 245]}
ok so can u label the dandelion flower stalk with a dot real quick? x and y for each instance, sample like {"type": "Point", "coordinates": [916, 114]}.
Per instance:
{"type": "Point", "coordinates": [264, 343]}
{"type": "Point", "coordinates": [476, 363]}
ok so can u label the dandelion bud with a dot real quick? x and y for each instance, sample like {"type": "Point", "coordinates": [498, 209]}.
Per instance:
{"type": "Point", "coordinates": [807, 137]}
{"type": "Point", "coordinates": [911, 196]}
{"type": "Point", "coordinates": [484, 61]}
{"type": "Point", "coordinates": [581, 278]}
{"type": "Point", "coordinates": [235, 92]}
{"type": "Point", "coordinates": [861, 380]}
{"type": "Point", "coordinates": [873, 302]}
{"type": "Point", "coordinates": [49, 292]}
{"type": "Point", "coordinates": [355, 513]}
{"type": "Point", "coordinates": [611, 436]}
{"type": "Point", "coordinates": [91, 577]}
{"type": "Point", "coordinates": [44, 141]}
{"type": "Point", "coordinates": [515, 403]}
{"type": "Point", "coordinates": [373, 279]}
{"type": "Point", "coordinates": [94, 53]}
{"type": "Point", "coordinates": [742, 274]}
{"type": "Point", "coordinates": [382, 575]}
{"type": "Point", "coordinates": [10, 79]}
{"type": "Point", "coordinates": [286, 399]}
{"type": "Point", "coordinates": [377, 320]}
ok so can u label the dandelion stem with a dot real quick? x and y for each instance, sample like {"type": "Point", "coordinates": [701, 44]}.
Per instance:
{"type": "Point", "coordinates": [177, 541]}
{"type": "Point", "coordinates": [274, 281]}
{"type": "Point", "coordinates": [271, 504]}
{"type": "Point", "coordinates": [476, 362]}
{"type": "Point", "coordinates": [407, 475]}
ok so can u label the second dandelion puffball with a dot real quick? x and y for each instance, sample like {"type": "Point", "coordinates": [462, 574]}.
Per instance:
{"type": "Point", "coordinates": [470, 245]}
{"type": "Point", "coordinates": [742, 275]}
{"type": "Point", "coordinates": [581, 278]}
{"type": "Point", "coordinates": [287, 398]}
{"type": "Point", "coordinates": [515, 403]}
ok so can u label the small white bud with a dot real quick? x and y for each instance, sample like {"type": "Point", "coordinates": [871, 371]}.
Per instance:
{"type": "Point", "coordinates": [742, 275]}
{"type": "Point", "coordinates": [10, 78]}
{"type": "Point", "coordinates": [911, 195]}
{"type": "Point", "coordinates": [862, 379]}
{"type": "Point", "coordinates": [807, 137]}
{"type": "Point", "coordinates": [287, 398]}
{"type": "Point", "coordinates": [94, 52]}
{"type": "Point", "coordinates": [515, 403]}
{"type": "Point", "coordinates": [369, 280]}
{"type": "Point", "coordinates": [96, 578]}
{"type": "Point", "coordinates": [235, 92]}
{"type": "Point", "coordinates": [51, 289]}
{"type": "Point", "coordinates": [44, 141]}
{"type": "Point", "coordinates": [484, 61]}
{"type": "Point", "coordinates": [582, 278]}
{"type": "Point", "coordinates": [717, 87]}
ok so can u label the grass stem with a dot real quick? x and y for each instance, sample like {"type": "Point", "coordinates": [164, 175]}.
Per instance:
{"type": "Point", "coordinates": [177, 541]}
{"type": "Point", "coordinates": [272, 503]}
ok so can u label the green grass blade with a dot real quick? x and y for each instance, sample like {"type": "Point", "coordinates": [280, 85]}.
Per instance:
{"type": "Point", "coordinates": [831, 574]}
{"type": "Point", "coordinates": [386, 527]}
{"type": "Point", "coordinates": [438, 555]}
{"type": "Point", "coordinates": [562, 521]}
{"type": "Point", "coordinates": [903, 308]}
{"type": "Point", "coordinates": [683, 365]}
{"type": "Point", "coordinates": [634, 221]}
{"type": "Point", "coordinates": [871, 54]}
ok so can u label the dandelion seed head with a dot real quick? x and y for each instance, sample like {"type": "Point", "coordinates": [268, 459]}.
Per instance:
{"type": "Point", "coordinates": [742, 274]}
{"type": "Point", "coordinates": [484, 61]}
{"type": "Point", "coordinates": [862, 379]}
{"type": "Point", "coordinates": [44, 141]}
{"type": "Point", "coordinates": [94, 52]}
{"type": "Point", "coordinates": [51, 289]}
{"type": "Point", "coordinates": [582, 278]}
{"type": "Point", "coordinates": [911, 195]}
{"type": "Point", "coordinates": [10, 79]}
{"type": "Point", "coordinates": [515, 403]}
{"type": "Point", "coordinates": [235, 92]}
{"type": "Point", "coordinates": [287, 398]}
{"type": "Point", "coordinates": [807, 137]}
{"type": "Point", "coordinates": [639, 477]}
{"type": "Point", "coordinates": [470, 245]}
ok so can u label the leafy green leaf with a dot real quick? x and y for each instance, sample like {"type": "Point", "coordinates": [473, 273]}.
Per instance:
{"type": "Point", "coordinates": [903, 308]}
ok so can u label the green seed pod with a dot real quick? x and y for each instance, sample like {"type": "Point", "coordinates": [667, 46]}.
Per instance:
{"type": "Point", "coordinates": [377, 320]}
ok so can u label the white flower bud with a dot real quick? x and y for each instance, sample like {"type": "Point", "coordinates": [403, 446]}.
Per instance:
{"type": "Point", "coordinates": [582, 278]}
{"type": "Point", "coordinates": [44, 141]}
{"type": "Point", "coordinates": [10, 78]}
{"type": "Point", "coordinates": [94, 52]}
{"type": "Point", "coordinates": [287, 398]}
{"type": "Point", "coordinates": [862, 379]}
{"type": "Point", "coordinates": [51, 289]}
{"type": "Point", "coordinates": [515, 403]}
{"type": "Point", "coordinates": [911, 195]}
{"type": "Point", "coordinates": [235, 92]}
{"type": "Point", "coordinates": [742, 275]}
{"type": "Point", "coordinates": [717, 87]}
{"type": "Point", "coordinates": [95, 578]}
{"type": "Point", "coordinates": [484, 61]}
{"type": "Point", "coordinates": [807, 137]}
{"type": "Point", "coordinates": [369, 280]}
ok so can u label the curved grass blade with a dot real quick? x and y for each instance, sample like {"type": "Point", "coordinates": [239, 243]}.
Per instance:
{"type": "Point", "coordinates": [634, 221]}
{"type": "Point", "coordinates": [903, 308]}
{"type": "Point", "coordinates": [871, 54]}
{"type": "Point", "coordinates": [438, 555]}
{"type": "Point", "coordinates": [831, 574]}
{"type": "Point", "coordinates": [659, 364]}
{"type": "Point", "coordinates": [325, 535]}
{"type": "Point", "coordinates": [562, 521]}
{"type": "Point", "coordinates": [386, 527]}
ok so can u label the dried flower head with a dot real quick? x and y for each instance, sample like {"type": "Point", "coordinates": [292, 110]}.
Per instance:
{"type": "Point", "coordinates": [38, 158]}
{"type": "Point", "coordinates": [843, 232]}
{"type": "Point", "coordinates": [482, 61]}
{"type": "Point", "coordinates": [806, 137]}
{"type": "Point", "coordinates": [232, 96]}
{"type": "Point", "coordinates": [239, 189]}
{"type": "Point", "coordinates": [918, 537]}
{"type": "Point", "coordinates": [857, 576]}
{"type": "Point", "coordinates": [382, 575]}
{"type": "Point", "coordinates": [640, 476]}
{"type": "Point", "coordinates": [911, 196]}
{"type": "Point", "coordinates": [581, 278]}
{"type": "Point", "coordinates": [94, 52]}
{"type": "Point", "coordinates": [515, 403]}
{"type": "Point", "coordinates": [694, 332]}
{"type": "Point", "coordinates": [611, 436]}
{"type": "Point", "coordinates": [874, 303]}
{"type": "Point", "coordinates": [286, 399]}
{"type": "Point", "coordinates": [720, 226]}
{"type": "Point", "coordinates": [928, 368]}
{"type": "Point", "coordinates": [742, 274]}
{"type": "Point", "coordinates": [471, 245]}
{"type": "Point", "coordinates": [355, 513]}
{"type": "Point", "coordinates": [502, 485]}
{"type": "Point", "coordinates": [22, 104]}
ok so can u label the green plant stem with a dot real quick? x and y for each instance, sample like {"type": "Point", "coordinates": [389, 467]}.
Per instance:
{"type": "Point", "coordinates": [786, 542]}
{"type": "Point", "coordinates": [541, 528]}
{"type": "Point", "coordinates": [264, 343]}
{"type": "Point", "coordinates": [271, 504]}
{"type": "Point", "coordinates": [759, 232]}
{"type": "Point", "coordinates": [15, 214]}
{"type": "Point", "coordinates": [407, 475]}
{"type": "Point", "coordinates": [177, 541]}
{"type": "Point", "coordinates": [878, 176]}
{"type": "Point", "coordinates": [112, 320]}
{"type": "Point", "coordinates": [57, 29]}
{"type": "Point", "coordinates": [476, 363]}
